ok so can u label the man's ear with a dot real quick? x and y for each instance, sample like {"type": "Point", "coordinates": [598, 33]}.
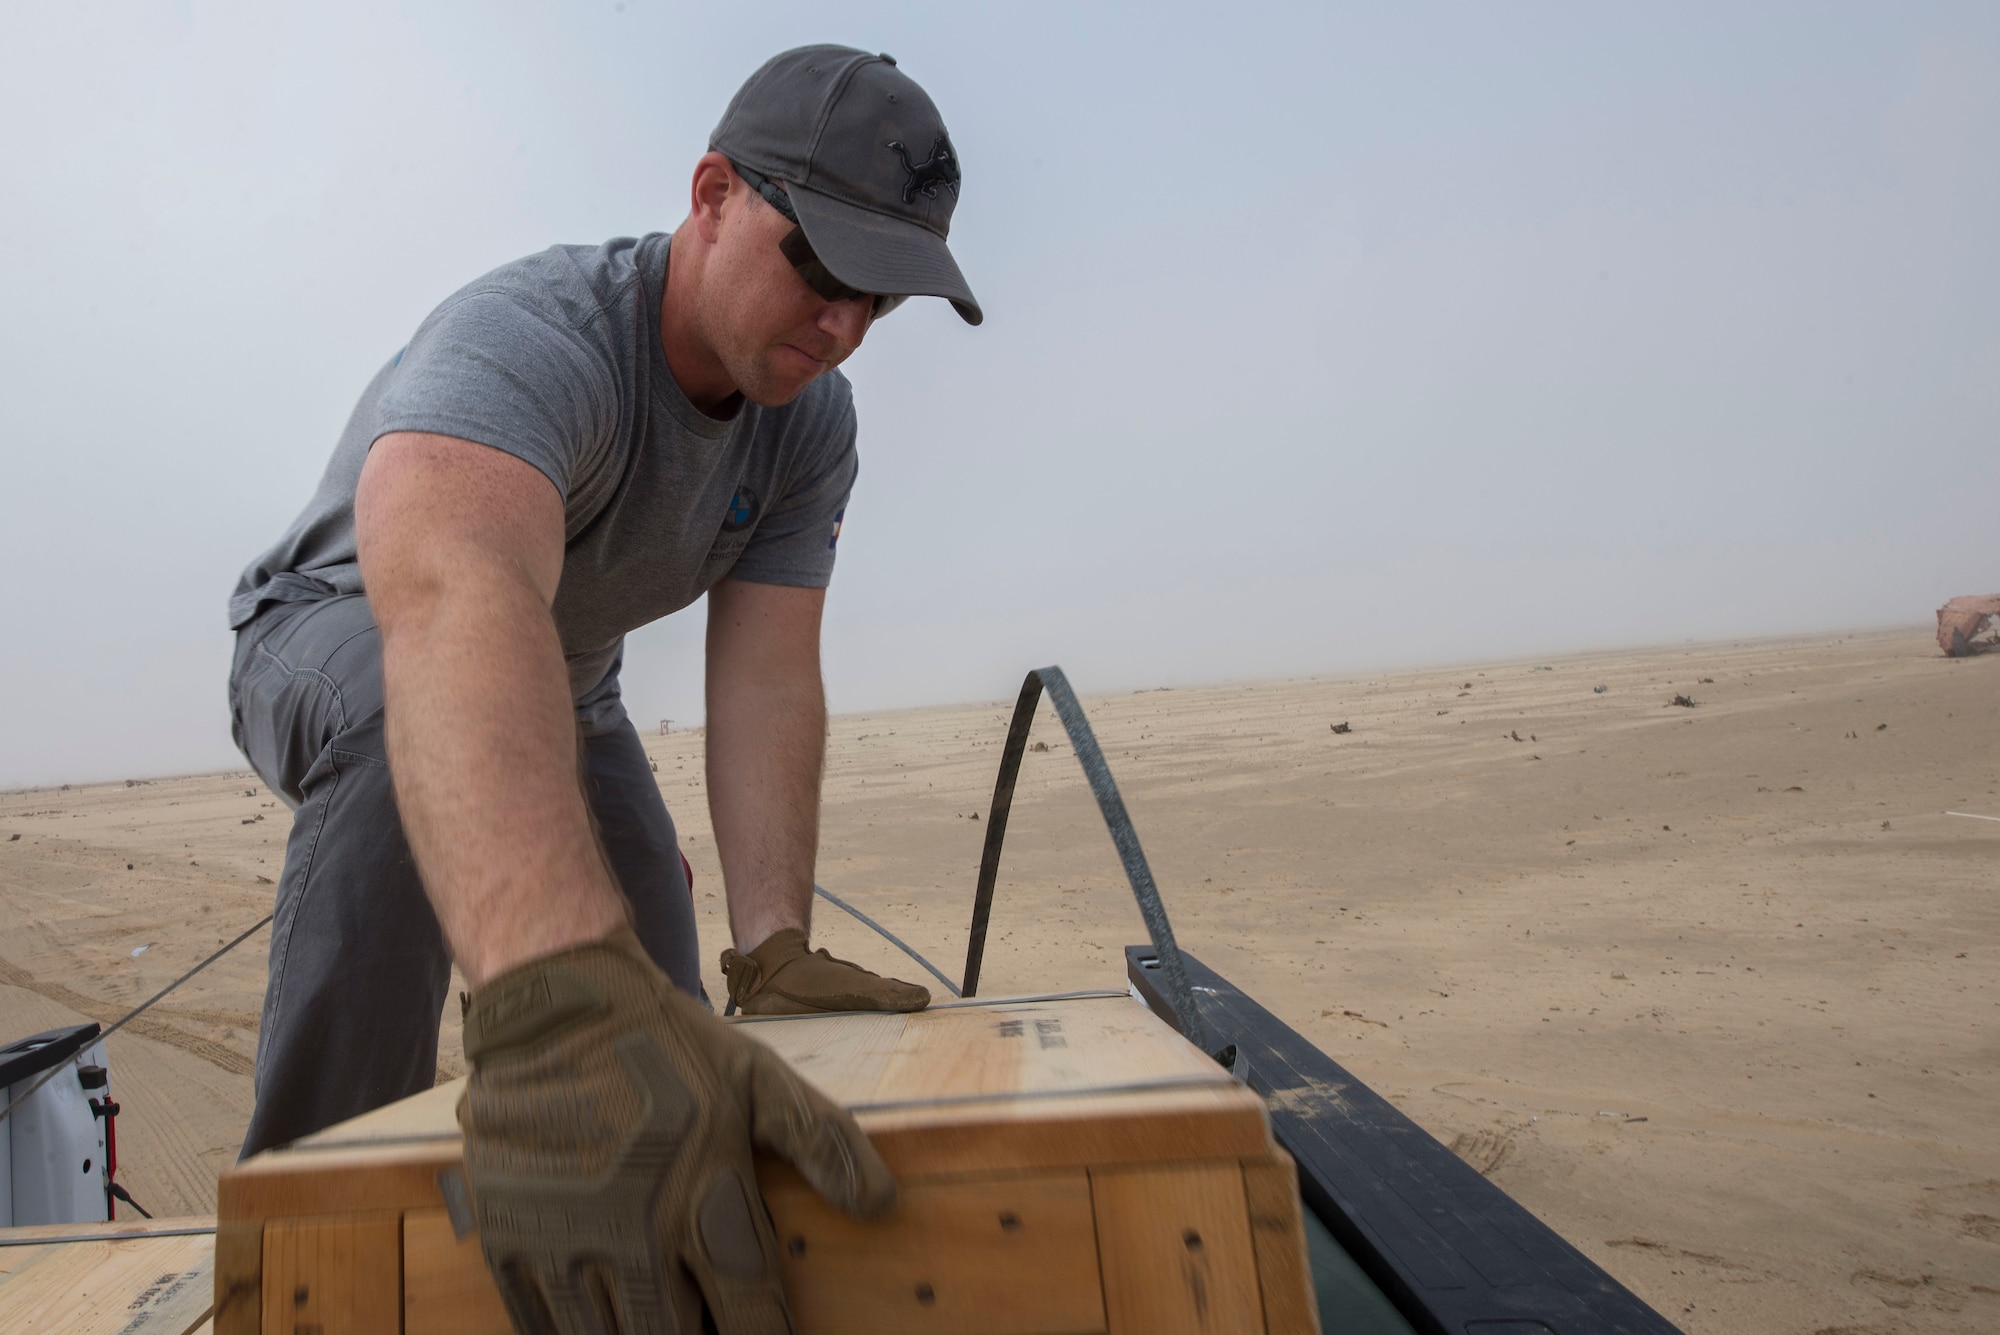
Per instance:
{"type": "Point", "coordinates": [714, 181]}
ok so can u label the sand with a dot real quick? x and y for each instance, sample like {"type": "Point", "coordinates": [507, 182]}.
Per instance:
{"type": "Point", "coordinates": [1713, 989]}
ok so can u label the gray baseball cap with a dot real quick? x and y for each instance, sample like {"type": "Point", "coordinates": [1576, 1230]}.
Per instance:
{"type": "Point", "coordinates": [865, 159]}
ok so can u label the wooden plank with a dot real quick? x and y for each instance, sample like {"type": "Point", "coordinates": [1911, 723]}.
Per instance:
{"type": "Point", "coordinates": [447, 1289]}
{"type": "Point", "coordinates": [1006, 1256]}
{"type": "Point", "coordinates": [355, 1177]}
{"type": "Point", "coordinates": [1174, 1243]}
{"type": "Point", "coordinates": [387, 1159]}
{"type": "Point", "coordinates": [951, 1259]}
{"type": "Point", "coordinates": [87, 1285]}
{"type": "Point", "coordinates": [239, 1277]}
{"type": "Point", "coordinates": [340, 1275]}
{"type": "Point", "coordinates": [1072, 1131]}
{"type": "Point", "coordinates": [949, 1054]}
{"type": "Point", "coordinates": [1277, 1231]}
{"type": "Point", "coordinates": [847, 1055]}
{"type": "Point", "coordinates": [998, 1132]}
{"type": "Point", "coordinates": [1002, 1087]}
{"type": "Point", "coordinates": [432, 1114]}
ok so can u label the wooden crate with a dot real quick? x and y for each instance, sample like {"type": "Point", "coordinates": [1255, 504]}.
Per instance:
{"type": "Point", "coordinates": [1065, 1165]}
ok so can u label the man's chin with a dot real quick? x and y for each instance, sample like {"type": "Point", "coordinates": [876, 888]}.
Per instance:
{"type": "Point", "coordinates": [768, 398]}
{"type": "Point", "coordinates": [773, 389]}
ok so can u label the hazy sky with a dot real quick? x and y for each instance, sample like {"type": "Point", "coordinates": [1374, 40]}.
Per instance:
{"type": "Point", "coordinates": [1318, 338]}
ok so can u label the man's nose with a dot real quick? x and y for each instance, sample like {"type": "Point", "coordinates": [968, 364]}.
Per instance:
{"type": "Point", "coordinates": [847, 321]}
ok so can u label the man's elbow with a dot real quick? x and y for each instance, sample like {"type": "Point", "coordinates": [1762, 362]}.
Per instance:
{"type": "Point", "coordinates": [431, 540]}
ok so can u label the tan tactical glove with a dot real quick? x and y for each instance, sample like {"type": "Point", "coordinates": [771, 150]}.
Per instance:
{"type": "Point", "coordinates": [781, 977]}
{"type": "Point", "coordinates": [608, 1129]}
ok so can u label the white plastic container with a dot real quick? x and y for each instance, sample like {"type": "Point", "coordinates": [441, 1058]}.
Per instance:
{"type": "Point", "coordinates": [56, 1165]}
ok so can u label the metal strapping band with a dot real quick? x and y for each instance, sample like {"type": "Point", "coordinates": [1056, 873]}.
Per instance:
{"type": "Point", "coordinates": [1123, 837]}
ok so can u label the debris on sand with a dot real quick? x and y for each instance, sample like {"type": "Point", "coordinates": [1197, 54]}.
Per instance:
{"type": "Point", "coordinates": [1962, 619]}
{"type": "Point", "coordinates": [1684, 701]}
{"type": "Point", "coordinates": [1597, 690]}
{"type": "Point", "coordinates": [1343, 727]}
{"type": "Point", "coordinates": [1039, 746]}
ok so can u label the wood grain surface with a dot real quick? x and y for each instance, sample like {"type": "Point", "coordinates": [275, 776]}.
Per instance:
{"type": "Point", "coordinates": [1005, 1256]}
{"type": "Point", "coordinates": [1175, 1247]}
{"type": "Point", "coordinates": [447, 1289]}
{"type": "Point", "coordinates": [1277, 1231]}
{"type": "Point", "coordinates": [70, 1278]}
{"type": "Point", "coordinates": [337, 1274]}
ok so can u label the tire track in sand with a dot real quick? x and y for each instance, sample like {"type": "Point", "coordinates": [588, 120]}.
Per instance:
{"type": "Point", "coordinates": [145, 1026]}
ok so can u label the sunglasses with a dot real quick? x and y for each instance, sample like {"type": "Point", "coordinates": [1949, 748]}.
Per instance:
{"type": "Point", "coordinates": [798, 251]}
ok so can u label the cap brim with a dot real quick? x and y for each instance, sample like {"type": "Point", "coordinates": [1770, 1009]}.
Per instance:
{"type": "Point", "coordinates": [875, 253]}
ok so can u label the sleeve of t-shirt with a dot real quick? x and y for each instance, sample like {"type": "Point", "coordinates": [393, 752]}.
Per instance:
{"type": "Point", "coordinates": [795, 542]}
{"type": "Point", "coordinates": [488, 368]}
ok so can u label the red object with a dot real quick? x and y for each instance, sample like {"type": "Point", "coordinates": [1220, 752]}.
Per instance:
{"type": "Point", "coordinates": [1963, 618]}
{"type": "Point", "coordinates": [108, 1110]}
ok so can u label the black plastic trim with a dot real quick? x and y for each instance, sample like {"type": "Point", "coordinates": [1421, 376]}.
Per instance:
{"type": "Point", "coordinates": [1452, 1251]}
{"type": "Point", "coordinates": [19, 1061]}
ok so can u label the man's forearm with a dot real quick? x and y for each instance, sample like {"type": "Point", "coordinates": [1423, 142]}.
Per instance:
{"type": "Point", "coordinates": [481, 730]}
{"type": "Point", "coordinates": [482, 749]}
{"type": "Point", "coordinates": [766, 750]}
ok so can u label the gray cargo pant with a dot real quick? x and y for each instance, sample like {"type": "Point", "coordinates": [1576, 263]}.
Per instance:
{"type": "Point", "coordinates": [359, 967]}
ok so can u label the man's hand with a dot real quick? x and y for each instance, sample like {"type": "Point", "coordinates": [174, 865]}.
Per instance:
{"type": "Point", "coordinates": [783, 977]}
{"type": "Point", "coordinates": [608, 1128]}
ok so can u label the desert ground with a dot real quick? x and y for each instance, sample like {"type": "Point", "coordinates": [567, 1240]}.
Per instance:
{"type": "Point", "coordinates": [1713, 989]}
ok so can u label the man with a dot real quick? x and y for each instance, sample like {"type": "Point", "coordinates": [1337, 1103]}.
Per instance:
{"type": "Point", "coordinates": [427, 668]}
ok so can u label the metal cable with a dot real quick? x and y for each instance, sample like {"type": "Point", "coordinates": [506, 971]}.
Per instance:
{"type": "Point", "coordinates": [887, 935]}
{"type": "Point", "coordinates": [136, 1011]}
{"type": "Point", "coordinates": [729, 1008]}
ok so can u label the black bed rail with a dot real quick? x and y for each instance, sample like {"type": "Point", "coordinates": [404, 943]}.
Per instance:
{"type": "Point", "coordinates": [1452, 1251]}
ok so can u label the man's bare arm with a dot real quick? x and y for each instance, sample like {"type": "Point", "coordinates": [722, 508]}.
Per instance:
{"type": "Point", "coordinates": [461, 548]}
{"type": "Point", "coordinates": [766, 748]}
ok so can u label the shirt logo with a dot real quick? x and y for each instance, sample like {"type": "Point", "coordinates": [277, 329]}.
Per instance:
{"type": "Point", "coordinates": [839, 517]}
{"type": "Point", "coordinates": [742, 513]}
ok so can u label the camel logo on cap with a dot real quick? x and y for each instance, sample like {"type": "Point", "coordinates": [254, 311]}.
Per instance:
{"type": "Point", "coordinates": [940, 168]}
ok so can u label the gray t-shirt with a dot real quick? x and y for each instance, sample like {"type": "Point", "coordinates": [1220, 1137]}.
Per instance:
{"type": "Point", "coordinates": [556, 360]}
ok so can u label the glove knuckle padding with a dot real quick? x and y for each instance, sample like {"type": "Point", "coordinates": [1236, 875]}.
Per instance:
{"type": "Point", "coordinates": [609, 1156]}
{"type": "Point", "coordinates": [570, 1234]}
